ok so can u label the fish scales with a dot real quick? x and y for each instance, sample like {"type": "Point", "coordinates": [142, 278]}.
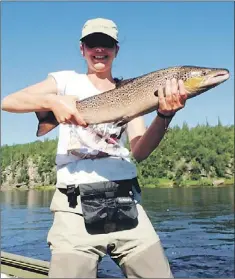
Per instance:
{"type": "Point", "coordinates": [123, 102]}
{"type": "Point", "coordinates": [138, 96]}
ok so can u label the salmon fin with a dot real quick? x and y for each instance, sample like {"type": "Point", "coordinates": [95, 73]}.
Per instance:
{"type": "Point", "coordinates": [123, 82]}
{"type": "Point", "coordinates": [44, 128]}
{"type": "Point", "coordinates": [122, 122]}
{"type": "Point", "coordinates": [47, 122]}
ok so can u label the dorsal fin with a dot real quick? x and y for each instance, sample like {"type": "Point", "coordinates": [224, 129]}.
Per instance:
{"type": "Point", "coordinates": [123, 82]}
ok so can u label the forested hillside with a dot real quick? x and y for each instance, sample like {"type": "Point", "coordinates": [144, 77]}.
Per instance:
{"type": "Point", "coordinates": [203, 153]}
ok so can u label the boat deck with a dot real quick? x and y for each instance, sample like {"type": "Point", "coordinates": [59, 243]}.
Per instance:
{"type": "Point", "coordinates": [17, 266]}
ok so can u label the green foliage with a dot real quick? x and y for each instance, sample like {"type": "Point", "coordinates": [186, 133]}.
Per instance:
{"type": "Point", "coordinates": [190, 154]}
{"type": "Point", "coordinates": [18, 157]}
{"type": "Point", "coordinates": [196, 154]}
{"type": "Point", "coordinates": [23, 177]}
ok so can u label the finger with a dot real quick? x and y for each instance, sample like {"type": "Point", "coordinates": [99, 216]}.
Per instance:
{"type": "Point", "coordinates": [58, 119]}
{"type": "Point", "coordinates": [168, 88]}
{"type": "Point", "coordinates": [182, 92]}
{"type": "Point", "coordinates": [174, 86]}
{"type": "Point", "coordinates": [174, 91]}
{"type": "Point", "coordinates": [169, 101]}
{"type": "Point", "coordinates": [65, 121]}
{"type": "Point", "coordinates": [177, 105]}
{"type": "Point", "coordinates": [78, 120]}
{"type": "Point", "coordinates": [161, 99]}
{"type": "Point", "coordinates": [71, 121]}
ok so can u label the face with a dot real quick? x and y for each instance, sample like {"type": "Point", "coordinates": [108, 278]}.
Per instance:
{"type": "Point", "coordinates": [99, 50]}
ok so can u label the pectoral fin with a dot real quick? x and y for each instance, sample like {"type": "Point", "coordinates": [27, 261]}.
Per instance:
{"type": "Point", "coordinates": [122, 122]}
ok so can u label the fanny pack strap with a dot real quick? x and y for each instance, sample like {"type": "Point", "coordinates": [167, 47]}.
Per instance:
{"type": "Point", "coordinates": [73, 190]}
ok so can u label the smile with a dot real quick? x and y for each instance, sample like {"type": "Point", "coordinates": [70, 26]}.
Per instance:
{"type": "Point", "coordinates": [100, 56]}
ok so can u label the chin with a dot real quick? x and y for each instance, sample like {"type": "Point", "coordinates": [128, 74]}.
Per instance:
{"type": "Point", "coordinates": [101, 67]}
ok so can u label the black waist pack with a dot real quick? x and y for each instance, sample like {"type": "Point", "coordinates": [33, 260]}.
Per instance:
{"type": "Point", "coordinates": [108, 202]}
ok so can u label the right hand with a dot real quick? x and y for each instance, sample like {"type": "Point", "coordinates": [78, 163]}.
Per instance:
{"type": "Point", "coordinates": [65, 111]}
{"type": "Point", "coordinates": [174, 99]}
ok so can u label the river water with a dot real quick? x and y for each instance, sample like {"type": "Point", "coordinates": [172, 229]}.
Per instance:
{"type": "Point", "coordinates": [196, 227]}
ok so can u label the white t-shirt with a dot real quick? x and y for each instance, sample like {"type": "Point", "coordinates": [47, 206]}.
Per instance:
{"type": "Point", "coordinates": [80, 150]}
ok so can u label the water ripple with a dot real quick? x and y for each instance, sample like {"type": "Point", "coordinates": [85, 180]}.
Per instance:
{"type": "Point", "coordinates": [196, 227]}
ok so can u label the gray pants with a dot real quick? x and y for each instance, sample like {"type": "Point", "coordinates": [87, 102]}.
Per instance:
{"type": "Point", "coordinates": [76, 252]}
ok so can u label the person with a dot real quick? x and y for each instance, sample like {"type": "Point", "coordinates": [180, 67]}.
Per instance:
{"type": "Point", "coordinates": [97, 202]}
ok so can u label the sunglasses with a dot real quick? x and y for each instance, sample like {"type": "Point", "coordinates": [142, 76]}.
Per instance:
{"type": "Point", "coordinates": [99, 41]}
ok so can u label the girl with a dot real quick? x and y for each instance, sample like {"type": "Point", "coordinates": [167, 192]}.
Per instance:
{"type": "Point", "coordinates": [96, 205]}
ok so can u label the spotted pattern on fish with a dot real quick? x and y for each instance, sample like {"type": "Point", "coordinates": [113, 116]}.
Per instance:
{"type": "Point", "coordinates": [138, 96]}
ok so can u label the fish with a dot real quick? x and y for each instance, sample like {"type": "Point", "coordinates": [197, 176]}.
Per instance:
{"type": "Point", "coordinates": [138, 96]}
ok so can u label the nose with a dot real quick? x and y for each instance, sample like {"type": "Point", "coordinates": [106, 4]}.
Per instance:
{"type": "Point", "coordinates": [99, 49]}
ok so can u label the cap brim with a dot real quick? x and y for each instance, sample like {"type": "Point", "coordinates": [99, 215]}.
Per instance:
{"type": "Point", "coordinates": [98, 32]}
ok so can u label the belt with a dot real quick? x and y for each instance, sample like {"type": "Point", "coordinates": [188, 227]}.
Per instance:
{"type": "Point", "coordinates": [73, 192]}
{"type": "Point", "coordinates": [71, 188]}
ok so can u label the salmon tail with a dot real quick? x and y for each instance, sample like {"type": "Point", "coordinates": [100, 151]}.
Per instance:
{"type": "Point", "coordinates": [47, 122]}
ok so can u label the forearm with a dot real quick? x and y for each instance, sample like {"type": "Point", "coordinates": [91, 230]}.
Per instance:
{"type": "Point", "coordinates": [149, 141]}
{"type": "Point", "coordinates": [24, 102]}
{"type": "Point", "coordinates": [35, 98]}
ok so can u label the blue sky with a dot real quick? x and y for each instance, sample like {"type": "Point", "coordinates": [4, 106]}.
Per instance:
{"type": "Point", "coordinates": [41, 37]}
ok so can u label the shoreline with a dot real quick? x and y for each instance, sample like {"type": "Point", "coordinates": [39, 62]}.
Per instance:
{"type": "Point", "coordinates": [205, 182]}
{"type": "Point", "coordinates": [160, 183]}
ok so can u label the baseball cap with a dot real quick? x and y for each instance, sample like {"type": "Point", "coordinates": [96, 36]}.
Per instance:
{"type": "Point", "coordinates": [100, 25]}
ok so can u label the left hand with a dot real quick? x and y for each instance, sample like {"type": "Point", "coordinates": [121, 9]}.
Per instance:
{"type": "Point", "coordinates": [175, 98]}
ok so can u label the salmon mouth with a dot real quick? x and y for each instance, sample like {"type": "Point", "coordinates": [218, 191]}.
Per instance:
{"type": "Point", "coordinates": [217, 77]}
{"type": "Point", "coordinates": [222, 73]}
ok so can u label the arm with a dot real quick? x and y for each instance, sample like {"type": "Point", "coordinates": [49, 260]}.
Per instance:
{"type": "Point", "coordinates": [31, 99]}
{"type": "Point", "coordinates": [143, 141]}
{"type": "Point", "coordinates": [41, 98]}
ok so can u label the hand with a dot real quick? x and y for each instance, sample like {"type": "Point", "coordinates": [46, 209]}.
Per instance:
{"type": "Point", "coordinates": [175, 98]}
{"type": "Point", "coordinates": [65, 111]}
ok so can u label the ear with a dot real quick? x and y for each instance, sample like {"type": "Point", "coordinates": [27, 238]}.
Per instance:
{"type": "Point", "coordinates": [82, 49]}
{"type": "Point", "coordinates": [117, 50]}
